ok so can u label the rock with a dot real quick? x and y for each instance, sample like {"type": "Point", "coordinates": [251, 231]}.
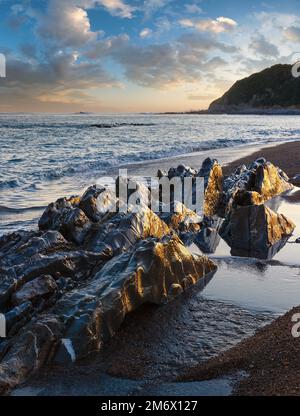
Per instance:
{"type": "Point", "coordinates": [182, 219]}
{"type": "Point", "coordinates": [255, 231]}
{"type": "Point", "coordinates": [261, 177]}
{"type": "Point", "coordinates": [154, 272]}
{"type": "Point", "coordinates": [17, 268]}
{"type": "Point", "coordinates": [208, 239]}
{"type": "Point", "coordinates": [75, 225]}
{"type": "Point", "coordinates": [213, 183]}
{"type": "Point", "coordinates": [161, 173]}
{"type": "Point", "coordinates": [182, 172]}
{"type": "Point", "coordinates": [29, 351]}
{"type": "Point", "coordinates": [125, 230]}
{"type": "Point", "coordinates": [138, 193]}
{"type": "Point", "coordinates": [270, 181]}
{"type": "Point", "coordinates": [296, 181]}
{"type": "Point", "coordinates": [96, 202]}
{"type": "Point", "coordinates": [22, 313]}
{"type": "Point", "coordinates": [73, 217]}
{"type": "Point", "coordinates": [244, 198]}
{"type": "Point", "coordinates": [53, 215]}
{"type": "Point", "coordinates": [41, 287]}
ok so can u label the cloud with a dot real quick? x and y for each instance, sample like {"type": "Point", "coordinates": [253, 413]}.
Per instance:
{"type": "Point", "coordinates": [150, 7]}
{"type": "Point", "coordinates": [193, 8]}
{"type": "Point", "coordinates": [118, 8]}
{"type": "Point", "coordinates": [292, 33]}
{"type": "Point", "coordinates": [167, 65]}
{"type": "Point", "coordinates": [145, 33]}
{"type": "Point", "coordinates": [66, 24]}
{"type": "Point", "coordinates": [261, 46]}
{"type": "Point", "coordinates": [221, 24]}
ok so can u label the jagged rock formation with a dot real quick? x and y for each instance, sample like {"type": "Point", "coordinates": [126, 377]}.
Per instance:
{"type": "Point", "coordinates": [182, 219]}
{"type": "Point", "coordinates": [124, 230]}
{"type": "Point", "coordinates": [154, 272]}
{"type": "Point", "coordinates": [64, 290]}
{"type": "Point", "coordinates": [261, 177]}
{"type": "Point", "coordinates": [255, 231]}
{"type": "Point", "coordinates": [213, 182]}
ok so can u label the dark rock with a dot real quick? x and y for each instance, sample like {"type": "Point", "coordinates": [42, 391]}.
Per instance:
{"type": "Point", "coordinates": [29, 351]}
{"type": "Point", "coordinates": [18, 313]}
{"type": "Point", "coordinates": [53, 216]}
{"type": "Point", "coordinates": [154, 272]}
{"type": "Point", "coordinates": [96, 202]}
{"type": "Point", "coordinates": [181, 171]}
{"type": "Point", "coordinates": [75, 225]}
{"type": "Point", "coordinates": [40, 287]}
{"type": "Point", "coordinates": [296, 181]}
{"type": "Point", "coordinates": [208, 239]}
{"type": "Point", "coordinates": [125, 230]}
{"type": "Point", "coordinates": [255, 231]}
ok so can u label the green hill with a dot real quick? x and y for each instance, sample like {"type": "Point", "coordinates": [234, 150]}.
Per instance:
{"type": "Point", "coordinates": [272, 88]}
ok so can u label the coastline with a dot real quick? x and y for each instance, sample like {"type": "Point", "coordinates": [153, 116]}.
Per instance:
{"type": "Point", "coordinates": [149, 366]}
{"type": "Point", "coordinates": [269, 358]}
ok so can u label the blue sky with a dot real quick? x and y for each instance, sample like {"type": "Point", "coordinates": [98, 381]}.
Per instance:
{"type": "Point", "coordinates": [135, 55]}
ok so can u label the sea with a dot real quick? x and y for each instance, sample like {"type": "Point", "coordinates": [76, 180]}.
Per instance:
{"type": "Point", "coordinates": [44, 157]}
{"type": "Point", "coordinates": [47, 156]}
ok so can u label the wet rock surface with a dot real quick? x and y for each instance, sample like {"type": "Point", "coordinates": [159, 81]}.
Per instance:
{"type": "Point", "coordinates": [256, 231]}
{"type": "Point", "coordinates": [66, 289]}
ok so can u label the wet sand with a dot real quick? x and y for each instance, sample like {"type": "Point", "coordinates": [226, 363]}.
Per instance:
{"type": "Point", "coordinates": [286, 156]}
{"type": "Point", "coordinates": [270, 357]}
{"type": "Point", "coordinates": [158, 344]}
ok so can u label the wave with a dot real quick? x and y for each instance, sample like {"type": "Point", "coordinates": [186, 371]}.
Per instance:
{"type": "Point", "coordinates": [115, 125]}
{"type": "Point", "coordinates": [10, 184]}
{"type": "Point", "coordinates": [9, 210]}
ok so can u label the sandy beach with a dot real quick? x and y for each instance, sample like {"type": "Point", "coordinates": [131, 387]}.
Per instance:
{"type": "Point", "coordinates": [270, 357]}
{"type": "Point", "coordinates": [160, 364]}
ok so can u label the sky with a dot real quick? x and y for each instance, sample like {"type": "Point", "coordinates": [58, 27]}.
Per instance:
{"type": "Point", "coordinates": [135, 55]}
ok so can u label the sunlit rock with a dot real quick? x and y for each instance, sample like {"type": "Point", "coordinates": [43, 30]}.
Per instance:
{"type": "Point", "coordinates": [124, 230]}
{"type": "Point", "coordinates": [270, 180]}
{"type": "Point", "coordinates": [255, 231]}
{"type": "Point", "coordinates": [182, 219]}
{"type": "Point", "coordinates": [154, 272]}
{"type": "Point", "coordinates": [261, 177]}
{"type": "Point", "coordinates": [213, 181]}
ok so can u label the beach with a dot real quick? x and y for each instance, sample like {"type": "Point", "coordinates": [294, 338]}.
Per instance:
{"type": "Point", "coordinates": [157, 350]}
{"type": "Point", "coordinates": [270, 357]}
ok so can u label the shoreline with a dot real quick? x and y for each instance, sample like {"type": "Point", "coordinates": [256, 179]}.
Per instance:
{"type": "Point", "coordinates": [269, 358]}
{"type": "Point", "coordinates": [118, 364]}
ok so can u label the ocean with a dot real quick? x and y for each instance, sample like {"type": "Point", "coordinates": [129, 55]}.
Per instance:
{"type": "Point", "coordinates": [46, 156]}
